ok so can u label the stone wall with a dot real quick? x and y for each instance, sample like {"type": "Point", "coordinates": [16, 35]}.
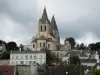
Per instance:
{"type": "Point", "coordinates": [4, 62]}
{"type": "Point", "coordinates": [26, 70]}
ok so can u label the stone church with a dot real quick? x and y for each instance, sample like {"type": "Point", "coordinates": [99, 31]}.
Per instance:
{"type": "Point", "coordinates": [47, 36]}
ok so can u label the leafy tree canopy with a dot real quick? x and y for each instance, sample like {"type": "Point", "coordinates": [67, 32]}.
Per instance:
{"type": "Point", "coordinates": [95, 72]}
{"type": "Point", "coordinates": [12, 46]}
{"type": "Point", "coordinates": [71, 41]}
{"type": "Point", "coordinates": [74, 60]}
{"type": "Point", "coordinates": [5, 55]}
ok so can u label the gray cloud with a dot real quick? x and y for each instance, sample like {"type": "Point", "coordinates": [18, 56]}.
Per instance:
{"type": "Point", "coordinates": [76, 18]}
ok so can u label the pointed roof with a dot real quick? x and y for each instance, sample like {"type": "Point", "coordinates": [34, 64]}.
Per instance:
{"type": "Point", "coordinates": [44, 18]}
{"type": "Point", "coordinates": [53, 23]}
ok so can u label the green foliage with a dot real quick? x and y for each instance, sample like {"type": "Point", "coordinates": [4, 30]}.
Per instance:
{"type": "Point", "coordinates": [71, 41]}
{"type": "Point", "coordinates": [74, 60]}
{"type": "Point", "coordinates": [49, 57]}
{"type": "Point", "coordinates": [5, 55]}
{"type": "Point", "coordinates": [11, 46]}
{"type": "Point", "coordinates": [95, 72]}
{"type": "Point", "coordinates": [92, 46]}
{"type": "Point", "coordinates": [70, 69]}
{"type": "Point", "coordinates": [82, 46]}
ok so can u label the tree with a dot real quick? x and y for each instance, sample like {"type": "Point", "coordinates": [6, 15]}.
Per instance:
{"type": "Point", "coordinates": [70, 69]}
{"type": "Point", "coordinates": [71, 41]}
{"type": "Point", "coordinates": [5, 55]}
{"type": "Point", "coordinates": [77, 47]}
{"type": "Point", "coordinates": [95, 72]}
{"type": "Point", "coordinates": [12, 46]}
{"type": "Point", "coordinates": [98, 45]}
{"type": "Point", "coordinates": [92, 46]}
{"type": "Point", "coordinates": [74, 60]}
{"type": "Point", "coordinates": [50, 57]}
{"type": "Point", "coordinates": [82, 46]}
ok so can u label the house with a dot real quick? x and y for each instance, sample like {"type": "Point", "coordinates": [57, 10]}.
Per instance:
{"type": "Point", "coordinates": [88, 62]}
{"type": "Point", "coordinates": [27, 57]}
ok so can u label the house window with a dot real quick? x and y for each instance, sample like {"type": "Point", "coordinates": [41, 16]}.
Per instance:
{"type": "Point", "coordinates": [41, 28]}
{"type": "Point", "coordinates": [34, 62]}
{"type": "Point", "coordinates": [43, 44]}
{"type": "Point", "coordinates": [48, 45]}
{"type": "Point", "coordinates": [33, 45]}
{"type": "Point", "coordinates": [45, 28]}
{"type": "Point", "coordinates": [30, 62]}
{"type": "Point", "coordinates": [30, 56]}
{"type": "Point", "coordinates": [12, 57]}
{"type": "Point", "coordinates": [21, 62]}
{"type": "Point", "coordinates": [41, 56]}
{"type": "Point", "coordinates": [16, 62]}
{"type": "Point", "coordinates": [35, 57]}
{"type": "Point", "coordinates": [16, 57]}
{"type": "Point", "coordinates": [26, 57]}
{"type": "Point", "coordinates": [12, 62]}
{"type": "Point", "coordinates": [26, 62]}
{"type": "Point", "coordinates": [21, 57]}
{"type": "Point", "coordinates": [40, 44]}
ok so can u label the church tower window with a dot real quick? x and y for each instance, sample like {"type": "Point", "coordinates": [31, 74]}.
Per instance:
{"type": "Point", "coordinates": [40, 44]}
{"type": "Point", "coordinates": [48, 45]}
{"type": "Point", "coordinates": [33, 45]}
{"type": "Point", "coordinates": [45, 28]}
{"type": "Point", "coordinates": [43, 44]}
{"type": "Point", "coordinates": [41, 28]}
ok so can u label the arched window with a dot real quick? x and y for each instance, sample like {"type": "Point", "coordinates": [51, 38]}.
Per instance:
{"type": "Point", "coordinates": [33, 45]}
{"type": "Point", "coordinates": [40, 44]}
{"type": "Point", "coordinates": [48, 45]}
{"type": "Point", "coordinates": [45, 28]}
{"type": "Point", "coordinates": [41, 28]}
{"type": "Point", "coordinates": [43, 44]}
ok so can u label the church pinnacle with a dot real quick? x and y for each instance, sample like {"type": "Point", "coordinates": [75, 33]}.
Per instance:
{"type": "Point", "coordinates": [53, 23]}
{"type": "Point", "coordinates": [45, 16]}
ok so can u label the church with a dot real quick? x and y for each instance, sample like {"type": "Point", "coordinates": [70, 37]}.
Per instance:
{"type": "Point", "coordinates": [47, 36]}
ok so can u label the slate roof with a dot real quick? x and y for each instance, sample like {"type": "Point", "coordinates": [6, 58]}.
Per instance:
{"type": "Point", "coordinates": [35, 40]}
{"type": "Point", "coordinates": [26, 52]}
{"type": "Point", "coordinates": [44, 18]}
{"type": "Point", "coordinates": [88, 60]}
{"type": "Point", "coordinates": [53, 23]}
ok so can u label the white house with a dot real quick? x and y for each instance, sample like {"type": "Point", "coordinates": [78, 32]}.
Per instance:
{"type": "Point", "coordinates": [88, 62]}
{"type": "Point", "coordinates": [27, 57]}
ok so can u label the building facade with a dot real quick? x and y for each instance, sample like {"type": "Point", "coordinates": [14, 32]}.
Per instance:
{"type": "Point", "coordinates": [27, 57]}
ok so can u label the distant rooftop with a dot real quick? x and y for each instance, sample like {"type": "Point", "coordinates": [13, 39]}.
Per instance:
{"type": "Point", "coordinates": [26, 51]}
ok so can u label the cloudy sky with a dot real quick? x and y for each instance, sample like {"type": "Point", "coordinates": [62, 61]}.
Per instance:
{"type": "Point", "coordinates": [77, 18]}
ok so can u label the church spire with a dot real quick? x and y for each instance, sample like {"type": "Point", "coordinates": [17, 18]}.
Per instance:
{"type": "Point", "coordinates": [53, 23]}
{"type": "Point", "coordinates": [45, 16]}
